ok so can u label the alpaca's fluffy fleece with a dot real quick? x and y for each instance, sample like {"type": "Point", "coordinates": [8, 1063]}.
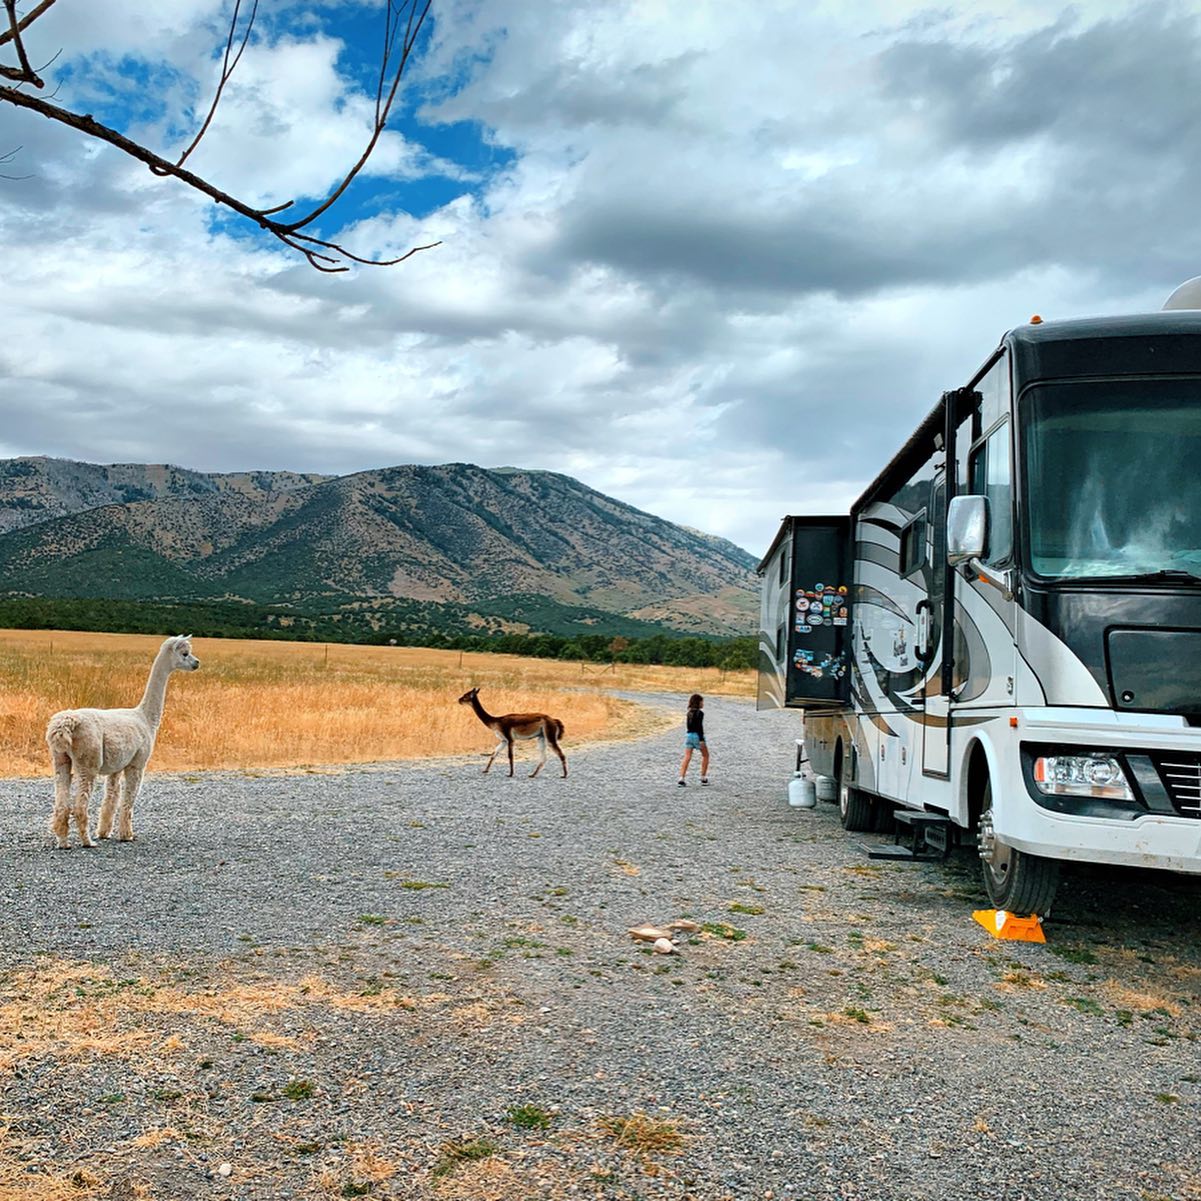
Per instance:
{"type": "Point", "coordinates": [116, 743]}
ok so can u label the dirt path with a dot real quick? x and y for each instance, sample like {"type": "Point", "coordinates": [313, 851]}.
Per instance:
{"type": "Point", "coordinates": [416, 982]}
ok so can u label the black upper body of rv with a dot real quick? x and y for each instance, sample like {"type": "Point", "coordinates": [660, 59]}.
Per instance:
{"type": "Point", "coordinates": [1106, 446]}
{"type": "Point", "coordinates": [1086, 437]}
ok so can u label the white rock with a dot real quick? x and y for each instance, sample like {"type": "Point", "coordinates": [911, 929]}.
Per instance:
{"type": "Point", "coordinates": [648, 933]}
{"type": "Point", "coordinates": [664, 946]}
{"type": "Point", "coordinates": [225, 1169]}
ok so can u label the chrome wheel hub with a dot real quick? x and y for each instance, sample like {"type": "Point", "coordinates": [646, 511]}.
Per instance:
{"type": "Point", "coordinates": [994, 853]}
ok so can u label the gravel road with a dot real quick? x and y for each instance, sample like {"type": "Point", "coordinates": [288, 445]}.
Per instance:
{"type": "Point", "coordinates": [415, 981]}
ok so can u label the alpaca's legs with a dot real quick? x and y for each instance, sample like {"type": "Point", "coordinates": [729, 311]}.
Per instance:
{"type": "Point", "coordinates": [129, 794]}
{"type": "Point", "coordinates": [112, 793]}
{"type": "Point", "coordinates": [80, 809]}
{"type": "Point", "coordinates": [499, 743]}
{"type": "Point", "coordinates": [554, 746]}
{"type": "Point", "coordinates": [60, 822]}
{"type": "Point", "coordinates": [542, 748]}
{"type": "Point", "coordinates": [510, 744]}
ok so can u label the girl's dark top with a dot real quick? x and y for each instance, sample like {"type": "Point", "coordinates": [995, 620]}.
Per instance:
{"type": "Point", "coordinates": [696, 722]}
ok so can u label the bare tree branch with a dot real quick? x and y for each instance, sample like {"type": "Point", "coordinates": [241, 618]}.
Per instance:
{"type": "Point", "coordinates": [26, 21]}
{"type": "Point", "coordinates": [227, 69]}
{"type": "Point", "coordinates": [331, 257]}
{"type": "Point", "coordinates": [24, 71]}
{"type": "Point", "coordinates": [417, 10]}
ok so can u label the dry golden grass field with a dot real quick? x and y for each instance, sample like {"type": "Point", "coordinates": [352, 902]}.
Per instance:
{"type": "Point", "coordinates": [297, 704]}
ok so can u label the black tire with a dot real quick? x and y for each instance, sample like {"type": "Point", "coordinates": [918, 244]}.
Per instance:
{"type": "Point", "coordinates": [856, 810]}
{"type": "Point", "coordinates": [1015, 880]}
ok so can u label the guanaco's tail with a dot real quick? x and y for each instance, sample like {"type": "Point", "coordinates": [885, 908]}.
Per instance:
{"type": "Point", "coordinates": [60, 733]}
{"type": "Point", "coordinates": [558, 729]}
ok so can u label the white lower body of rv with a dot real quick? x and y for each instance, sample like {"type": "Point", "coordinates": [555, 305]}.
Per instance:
{"type": "Point", "coordinates": [990, 793]}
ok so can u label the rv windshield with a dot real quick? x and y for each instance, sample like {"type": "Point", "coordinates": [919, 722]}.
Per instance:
{"type": "Point", "coordinates": [1112, 479]}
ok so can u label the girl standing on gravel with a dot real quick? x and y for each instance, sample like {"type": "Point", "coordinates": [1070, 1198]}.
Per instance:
{"type": "Point", "coordinates": [694, 739]}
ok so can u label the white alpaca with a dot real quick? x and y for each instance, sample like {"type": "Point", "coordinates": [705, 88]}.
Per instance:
{"type": "Point", "coordinates": [110, 742]}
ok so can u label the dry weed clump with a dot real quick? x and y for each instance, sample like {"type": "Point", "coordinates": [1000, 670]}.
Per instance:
{"type": "Point", "coordinates": [1140, 1000]}
{"type": "Point", "coordinates": [287, 704]}
{"type": "Point", "coordinates": [642, 1134]}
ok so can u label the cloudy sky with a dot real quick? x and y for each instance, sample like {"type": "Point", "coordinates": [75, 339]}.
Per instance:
{"type": "Point", "coordinates": [714, 259]}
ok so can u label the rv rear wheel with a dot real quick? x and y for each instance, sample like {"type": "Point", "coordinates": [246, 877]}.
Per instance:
{"type": "Point", "coordinates": [856, 809]}
{"type": "Point", "coordinates": [1016, 880]}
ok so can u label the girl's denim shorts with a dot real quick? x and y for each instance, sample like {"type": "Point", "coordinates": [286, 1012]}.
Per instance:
{"type": "Point", "coordinates": [692, 741]}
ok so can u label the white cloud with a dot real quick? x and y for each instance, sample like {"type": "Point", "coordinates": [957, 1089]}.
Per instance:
{"type": "Point", "coordinates": [736, 256]}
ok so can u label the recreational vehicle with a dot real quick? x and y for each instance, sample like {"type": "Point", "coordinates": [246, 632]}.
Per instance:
{"type": "Point", "coordinates": [1001, 643]}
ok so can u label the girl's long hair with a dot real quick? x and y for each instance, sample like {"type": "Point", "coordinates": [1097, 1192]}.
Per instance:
{"type": "Point", "coordinates": [695, 700]}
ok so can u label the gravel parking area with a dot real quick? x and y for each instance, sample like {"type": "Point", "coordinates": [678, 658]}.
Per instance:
{"type": "Point", "coordinates": [415, 981]}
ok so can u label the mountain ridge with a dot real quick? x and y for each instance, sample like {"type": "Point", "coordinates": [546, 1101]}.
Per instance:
{"type": "Point", "coordinates": [454, 534]}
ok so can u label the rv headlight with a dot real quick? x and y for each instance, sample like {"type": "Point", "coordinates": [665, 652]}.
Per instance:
{"type": "Point", "coordinates": [1082, 775]}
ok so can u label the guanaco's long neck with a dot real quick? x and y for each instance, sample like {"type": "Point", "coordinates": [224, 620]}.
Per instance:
{"type": "Point", "coordinates": [151, 704]}
{"type": "Point", "coordinates": [482, 713]}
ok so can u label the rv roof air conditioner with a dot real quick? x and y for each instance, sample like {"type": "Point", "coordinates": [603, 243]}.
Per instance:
{"type": "Point", "coordinates": [1187, 296]}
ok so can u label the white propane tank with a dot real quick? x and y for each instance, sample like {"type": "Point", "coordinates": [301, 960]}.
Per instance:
{"type": "Point", "coordinates": [802, 793]}
{"type": "Point", "coordinates": [827, 788]}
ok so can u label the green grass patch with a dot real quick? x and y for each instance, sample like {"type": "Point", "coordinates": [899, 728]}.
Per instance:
{"type": "Point", "coordinates": [529, 1117]}
{"type": "Point", "coordinates": [1072, 952]}
{"type": "Point", "coordinates": [463, 1151]}
{"type": "Point", "coordinates": [722, 930]}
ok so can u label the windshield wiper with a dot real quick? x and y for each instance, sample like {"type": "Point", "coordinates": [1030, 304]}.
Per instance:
{"type": "Point", "coordinates": [1170, 575]}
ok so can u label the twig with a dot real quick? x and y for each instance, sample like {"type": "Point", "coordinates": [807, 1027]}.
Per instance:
{"type": "Point", "coordinates": [285, 232]}
{"type": "Point", "coordinates": [227, 69]}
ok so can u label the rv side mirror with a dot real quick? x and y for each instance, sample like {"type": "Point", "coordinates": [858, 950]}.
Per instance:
{"type": "Point", "coordinates": [967, 529]}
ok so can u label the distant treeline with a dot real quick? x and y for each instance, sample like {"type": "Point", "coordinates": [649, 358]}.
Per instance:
{"type": "Point", "coordinates": [401, 626]}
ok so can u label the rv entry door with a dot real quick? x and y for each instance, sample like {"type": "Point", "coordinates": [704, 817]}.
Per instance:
{"type": "Point", "coordinates": [936, 733]}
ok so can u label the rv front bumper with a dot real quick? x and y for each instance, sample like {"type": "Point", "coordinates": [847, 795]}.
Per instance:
{"type": "Point", "coordinates": [1172, 844]}
{"type": "Point", "coordinates": [1155, 822]}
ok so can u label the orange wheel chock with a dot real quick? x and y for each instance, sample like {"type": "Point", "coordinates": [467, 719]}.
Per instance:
{"type": "Point", "coordinates": [1002, 924]}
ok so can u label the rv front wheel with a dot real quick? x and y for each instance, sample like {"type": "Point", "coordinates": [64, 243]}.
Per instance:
{"type": "Point", "coordinates": [856, 810]}
{"type": "Point", "coordinates": [1016, 880]}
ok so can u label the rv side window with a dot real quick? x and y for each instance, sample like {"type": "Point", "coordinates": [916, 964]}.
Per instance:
{"type": "Point", "coordinates": [781, 645]}
{"type": "Point", "coordinates": [784, 557]}
{"type": "Point", "coordinates": [989, 475]}
{"type": "Point", "coordinates": [993, 391]}
{"type": "Point", "coordinates": [913, 544]}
